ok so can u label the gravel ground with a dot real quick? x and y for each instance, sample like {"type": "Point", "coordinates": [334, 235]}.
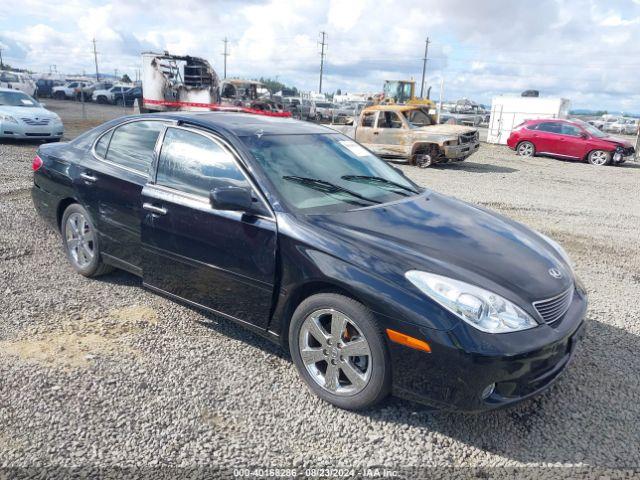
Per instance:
{"type": "Point", "coordinates": [104, 373]}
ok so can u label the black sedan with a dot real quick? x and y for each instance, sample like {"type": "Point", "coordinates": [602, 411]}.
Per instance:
{"type": "Point", "coordinates": [374, 284]}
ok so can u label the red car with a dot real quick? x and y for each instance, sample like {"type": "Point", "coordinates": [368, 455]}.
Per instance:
{"type": "Point", "coordinates": [573, 139]}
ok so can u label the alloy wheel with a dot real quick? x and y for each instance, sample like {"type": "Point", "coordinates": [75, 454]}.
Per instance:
{"type": "Point", "coordinates": [335, 352]}
{"type": "Point", "coordinates": [525, 149]}
{"type": "Point", "coordinates": [80, 240]}
{"type": "Point", "coordinates": [599, 157]}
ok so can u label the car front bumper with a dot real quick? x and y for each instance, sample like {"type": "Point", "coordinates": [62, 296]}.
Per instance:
{"type": "Point", "coordinates": [22, 131]}
{"type": "Point", "coordinates": [461, 151]}
{"type": "Point", "coordinates": [464, 363]}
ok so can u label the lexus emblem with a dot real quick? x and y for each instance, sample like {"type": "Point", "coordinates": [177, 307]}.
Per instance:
{"type": "Point", "coordinates": [555, 273]}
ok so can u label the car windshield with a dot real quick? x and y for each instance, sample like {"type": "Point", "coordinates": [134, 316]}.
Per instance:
{"type": "Point", "coordinates": [323, 105]}
{"type": "Point", "coordinates": [418, 118]}
{"type": "Point", "coordinates": [591, 130]}
{"type": "Point", "coordinates": [327, 173]}
{"type": "Point", "coordinates": [17, 99]}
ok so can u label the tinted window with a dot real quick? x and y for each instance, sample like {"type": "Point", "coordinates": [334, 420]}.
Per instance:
{"type": "Point", "coordinates": [367, 119]}
{"type": "Point", "coordinates": [552, 127]}
{"type": "Point", "coordinates": [8, 77]}
{"type": "Point", "coordinates": [132, 144]}
{"type": "Point", "coordinates": [193, 163]}
{"type": "Point", "coordinates": [570, 130]}
{"type": "Point", "coordinates": [103, 144]}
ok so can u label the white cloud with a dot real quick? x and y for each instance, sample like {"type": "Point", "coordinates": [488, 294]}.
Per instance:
{"type": "Point", "coordinates": [583, 49]}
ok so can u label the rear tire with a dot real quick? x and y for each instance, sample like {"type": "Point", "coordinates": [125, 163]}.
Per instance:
{"type": "Point", "coordinates": [352, 382]}
{"type": "Point", "coordinates": [526, 149]}
{"type": "Point", "coordinates": [599, 157]}
{"type": "Point", "coordinates": [59, 95]}
{"type": "Point", "coordinates": [81, 243]}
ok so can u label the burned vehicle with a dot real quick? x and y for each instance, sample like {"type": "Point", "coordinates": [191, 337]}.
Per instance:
{"type": "Point", "coordinates": [172, 82]}
{"type": "Point", "coordinates": [410, 132]}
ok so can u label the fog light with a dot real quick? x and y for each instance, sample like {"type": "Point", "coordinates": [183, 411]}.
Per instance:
{"type": "Point", "coordinates": [488, 390]}
{"type": "Point", "coordinates": [617, 157]}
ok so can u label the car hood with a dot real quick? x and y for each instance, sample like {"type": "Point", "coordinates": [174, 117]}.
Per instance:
{"type": "Point", "coordinates": [617, 141]}
{"type": "Point", "coordinates": [436, 233]}
{"type": "Point", "coordinates": [28, 112]}
{"type": "Point", "coordinates": [446, 129]}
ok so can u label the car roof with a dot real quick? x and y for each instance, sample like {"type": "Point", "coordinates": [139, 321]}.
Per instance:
{"type": "Point", "coordinates": [394, 108]}
{"type": "Point", "coordinates": [11, 90]}
{"type": "Point", "coordinates": [245, 124]}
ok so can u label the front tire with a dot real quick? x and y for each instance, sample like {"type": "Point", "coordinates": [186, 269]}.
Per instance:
{"type": "Point", "coordinates": [599, 157]}
{"type": "Point", "coordinates": [526, 149]}
{"type": "Point", "coordinates": [339, 351]}
{"type": "Point", "coordinates": [81, 244]}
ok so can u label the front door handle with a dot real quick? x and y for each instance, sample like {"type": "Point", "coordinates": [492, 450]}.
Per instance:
{"type": "Point", "coordinates": [376, 133]}
{"type": "Point", "coordinates": [154, 209]}
{"type": "Point", "coordinates": [88, 178]}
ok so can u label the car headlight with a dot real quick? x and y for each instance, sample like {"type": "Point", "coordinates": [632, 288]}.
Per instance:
{"type": "Point", "coordinates": [478, 307]}
{"type": "Point", "coordinates": [7, 118]}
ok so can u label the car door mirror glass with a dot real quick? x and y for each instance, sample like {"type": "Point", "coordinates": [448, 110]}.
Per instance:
{"type": "Point", "coordinates": [232, 198]}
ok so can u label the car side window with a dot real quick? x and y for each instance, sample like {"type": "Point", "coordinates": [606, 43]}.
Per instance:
{"type": "Point", "coordinates": [551, 127]}
{"type": "Point", "coordinates": [193, 163]}
{"type": "Point", "coordinates": [132, 144]}
{"type": "Point", "coordinates": [570, 130]}
{"type": "Point", "coordinates": [368, 119]}
{"type": "Point", "coordinates": [389, 120]}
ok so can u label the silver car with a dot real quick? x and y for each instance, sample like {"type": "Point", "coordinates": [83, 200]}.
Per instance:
{"type": "Point", "coordinates": [22, 117]}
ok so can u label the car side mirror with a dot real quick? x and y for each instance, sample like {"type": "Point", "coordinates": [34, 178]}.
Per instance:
{"type": "Point", "coordinates": [584, 135]}
{"type": "Point", "coordinates": [238, 199]}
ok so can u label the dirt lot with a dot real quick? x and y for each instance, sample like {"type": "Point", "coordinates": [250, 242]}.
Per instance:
{"type": "Point", "coordinates": [104, 373]}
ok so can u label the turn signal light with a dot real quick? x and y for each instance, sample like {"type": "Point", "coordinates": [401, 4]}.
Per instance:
{"type": "Point", "coordinates": [408, 341]}
{"type": "Point", "coordinates": [37, 163]}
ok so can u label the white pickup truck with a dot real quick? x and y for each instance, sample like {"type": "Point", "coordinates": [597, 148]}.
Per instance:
{"type": "Point", "coordinates": [409, 132]}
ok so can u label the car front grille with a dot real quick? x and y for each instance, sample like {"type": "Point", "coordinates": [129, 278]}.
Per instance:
{"type": "Point", "coordinates": [468, 137]}
{"type": "Point", "coordinates": [36, 123]}
{"type": "Point", "coordinates": [551, 309]}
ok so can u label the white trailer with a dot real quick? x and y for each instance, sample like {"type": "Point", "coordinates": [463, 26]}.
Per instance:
{"type": "Point", "coordinates": [509, 111]}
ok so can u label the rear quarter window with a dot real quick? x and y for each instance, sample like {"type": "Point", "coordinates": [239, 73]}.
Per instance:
{"type": "Point", "coordinates": [132, 144]}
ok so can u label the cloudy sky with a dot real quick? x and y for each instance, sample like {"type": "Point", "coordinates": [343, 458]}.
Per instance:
{"type": "Point", "coordinates": [584, 50]}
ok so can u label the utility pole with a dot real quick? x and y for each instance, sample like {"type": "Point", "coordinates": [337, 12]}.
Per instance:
{"type": "Point", "coordinates": [225, 55]}
{"type": "Point", "coordinates": [424, 65]}
{"type": "Point", "coordinates": [115, 73]}
{"type": "Point", "coordinates": [1, 64]}
{"type": "Point", "coordinates": [95, 58]}
{"type": "Point", "coordinates": [322, 55]}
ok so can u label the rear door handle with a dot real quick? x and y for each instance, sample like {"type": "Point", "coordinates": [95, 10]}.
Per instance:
{"type": "Point", "coordinates": [88, 178]}
{"type": "Point", "coordinates": [154, 209]}
{"type": "Point", "coordinates": [376, 133]}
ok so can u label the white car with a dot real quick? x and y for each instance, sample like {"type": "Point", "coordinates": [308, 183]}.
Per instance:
{"type": "Point", "coordinates": [106, 96]}
{"type": "Point", "coordinates": [17, 81]}
{"type": "Point", "coordinates": [622, 126]}
{"type": "Point", "coordinates": [70, 90]}
{"type": "Point", "coordinates": [22, 117]}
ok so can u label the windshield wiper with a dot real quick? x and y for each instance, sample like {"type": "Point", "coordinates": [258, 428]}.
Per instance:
{"type": "Point", "coordinates": [377, 180]}
{"type": "Point", "coordinates": [326, 187]}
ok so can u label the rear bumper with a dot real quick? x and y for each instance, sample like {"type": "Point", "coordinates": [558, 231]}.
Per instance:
{"type": "Point", "coordinates": [453, 377]}
{"type": "Point", "coordinates": [46, 204]}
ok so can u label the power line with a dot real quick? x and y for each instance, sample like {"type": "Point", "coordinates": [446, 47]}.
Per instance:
{"type": "Point", "coordinates": [322, 55]}
{"type": "Point", "coordinates": [225, 55]}
{"type": "Point", "coordinates": [95, 58]}
{"type": "Point", "coordinates": [424, 65]}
